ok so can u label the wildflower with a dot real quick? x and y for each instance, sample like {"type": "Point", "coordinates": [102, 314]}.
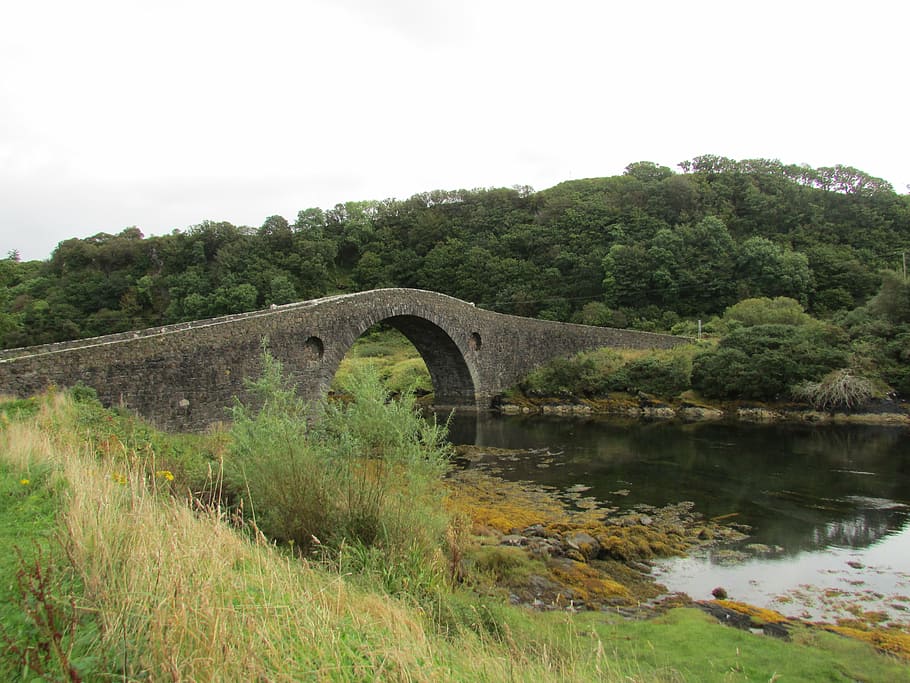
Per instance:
{"type": "Point", "coordinates": [119, 478]}
{"type": "Point", "coordinates": [165, 474]}
{"type": "Point", "coordinates": [24, 482]}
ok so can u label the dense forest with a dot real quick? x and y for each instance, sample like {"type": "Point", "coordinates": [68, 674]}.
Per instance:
{"type": "Point", "coordinates": [653, 249]}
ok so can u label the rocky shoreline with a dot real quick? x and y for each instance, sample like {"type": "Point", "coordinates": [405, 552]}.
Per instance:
{"type": "Point", "coordinates": [547, 551]}
{"type": "Point", "coordinates": [880, 412]}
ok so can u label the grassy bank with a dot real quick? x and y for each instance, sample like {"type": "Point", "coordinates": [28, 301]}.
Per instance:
{"type": "Point", "coordinates": [123, 559]}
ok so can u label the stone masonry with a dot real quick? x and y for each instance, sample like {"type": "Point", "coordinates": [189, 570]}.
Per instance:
{"type": "Point", "coordinates": [184, 376]}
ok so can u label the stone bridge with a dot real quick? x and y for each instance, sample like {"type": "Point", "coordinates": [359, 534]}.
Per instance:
{"type": "Point", "coordinates": [183, 376]}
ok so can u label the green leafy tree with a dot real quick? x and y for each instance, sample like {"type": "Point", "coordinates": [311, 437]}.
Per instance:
{"type": "Point", "coordinates": [892, 301]}
{"type": "Point", "coordinates": [764, 268]}
{"type": "Point", "coordinates": [281, 290]}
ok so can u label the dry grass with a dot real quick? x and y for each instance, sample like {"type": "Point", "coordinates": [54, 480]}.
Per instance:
{"type": "Point", "coordinates": [181, 595]}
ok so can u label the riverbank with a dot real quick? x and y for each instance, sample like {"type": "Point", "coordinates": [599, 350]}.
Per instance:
{"type": "Point", "coordinates": [552, 550]}
{"type": "Point", "coordinates": [643, 406]}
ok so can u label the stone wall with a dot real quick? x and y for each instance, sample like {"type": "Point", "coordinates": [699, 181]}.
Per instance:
{"type": "Point", "coordinates": [184, 377]}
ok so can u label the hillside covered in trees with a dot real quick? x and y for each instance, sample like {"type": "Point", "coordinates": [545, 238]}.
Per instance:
{"type": "Point", "coordinates": [652, 249]}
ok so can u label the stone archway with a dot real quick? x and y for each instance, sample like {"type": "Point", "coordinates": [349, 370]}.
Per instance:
{"type": "Point", "coordinates": [453, 383]}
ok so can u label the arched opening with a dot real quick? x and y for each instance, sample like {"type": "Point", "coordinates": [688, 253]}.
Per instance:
{"type": "Point", "coordinates": [414, 351]}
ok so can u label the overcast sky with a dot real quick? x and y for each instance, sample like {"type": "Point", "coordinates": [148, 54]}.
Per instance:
{"type": "Point", "coordinates": [162, 114]}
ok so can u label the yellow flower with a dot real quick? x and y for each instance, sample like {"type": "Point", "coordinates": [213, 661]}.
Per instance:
{"type": "Point", "coordinates": [166, 474]}
{"type": "Point", "coordinates": [119, 478]}
{"type": "Point", "coordinates": [24, 482]}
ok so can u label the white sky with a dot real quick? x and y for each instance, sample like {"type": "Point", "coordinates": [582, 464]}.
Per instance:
{"type": "Point", "coordinates": [164, 113]}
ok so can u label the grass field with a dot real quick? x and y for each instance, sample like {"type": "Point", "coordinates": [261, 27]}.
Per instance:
{"type": "Point", "coordinates": [118, 561]}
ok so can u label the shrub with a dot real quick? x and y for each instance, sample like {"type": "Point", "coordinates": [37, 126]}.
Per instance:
{"type": "Point", "coordinates": [587, 374]}
{"type": "Point", "coordinates": [409, 375]}
{"type": "Point", "coordinates": [367, 473]}
{"type": "Point", "coordinates": [780, 310]}
{"type": "Point", "coordinates": [839, 389]}
{"type": "Point", "coordinates": [762, 362]}
{"type": "Point", "coordinates": [665, 375]}
{"type": "Point", "coordinates": [561, 377]}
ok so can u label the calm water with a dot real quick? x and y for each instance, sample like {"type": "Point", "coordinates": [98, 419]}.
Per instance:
{"type": "Point", "coordinates": [828, 506]}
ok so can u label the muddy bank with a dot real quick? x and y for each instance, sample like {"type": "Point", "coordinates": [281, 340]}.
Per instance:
{"type": "Point", "coordinates": [880, 412]}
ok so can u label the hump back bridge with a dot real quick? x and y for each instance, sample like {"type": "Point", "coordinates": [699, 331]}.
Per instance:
{"type": "Point", "coordinates": [183, 376]}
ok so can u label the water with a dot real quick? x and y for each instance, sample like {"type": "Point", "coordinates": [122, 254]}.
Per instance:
{"type": "Point", "coordinates": [828, 506]}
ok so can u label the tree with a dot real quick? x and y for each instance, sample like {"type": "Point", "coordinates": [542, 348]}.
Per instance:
{"type": "Point", "coordinates": [648, 171]}
{"type": "Point", "coordinates": [764, 311]}
{"type": "Point", "coordinates": [705, 267]}
{"type": "Point", "coordinates": [767, 269]}
{"type": "Point", "coordinates": [893, 299]}
{"type": "Point", "coordinates": [370, 272]}
{"type": "Point", "coordinates": [281, 290]}
{"type": "Point", "coordinates": [276, 232]}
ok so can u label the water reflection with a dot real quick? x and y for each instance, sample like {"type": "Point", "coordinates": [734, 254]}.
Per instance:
{"type": "Point", "coordinates": [861, 531]}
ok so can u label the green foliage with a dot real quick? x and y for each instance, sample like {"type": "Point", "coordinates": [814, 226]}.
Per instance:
{"type": "Point", "coordinates": [367, 475]}
{"type": "Point", "coordinates": [42, 636]}
{"type": "Point", "coordinates": [565, 377]}
{"type": "Point", "coordinates": [781, 310]}
{"type": "Point", "coordinates": [763, 361]}
{"type": "Point", "coordinates": [665, 375]}
{"type": "Point", "coordinates": [892, 301]}
{"type": "Point", "coordinates": [880, 332]}
{"type": "Point", "coordinates": [169, 594]}
{"type": "Point", "coordinates": [597, 313]}
{"type": "Point", "coordinates": [591, 375]}
{"type": "Point", "coordinates": [763, 267]}
{"type": "Point", "coordinates": [392, 356]}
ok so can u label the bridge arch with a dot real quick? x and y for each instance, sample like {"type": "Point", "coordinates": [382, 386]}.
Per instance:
{"type": "Point", "coordinates": [453, 373]}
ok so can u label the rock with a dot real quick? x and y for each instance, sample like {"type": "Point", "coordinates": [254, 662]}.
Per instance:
{"type": "Point", "coordinates": [693, 413]}
{"type": "Point", "coordinates": [659, 412]}
{"type": "Point", "coordinates": [758, 548]}
{"type": "Point", "coordinates": [757, 415]}
{"type": "Point", "coordinates": [584, 543]}
{"type": "Point", "coordinates": [726, 616]}
{"type": "Point", "coordinates": [514, 540]}
{"type": "Point", "coordinates": [719, 593]}
{"type": "Point", "coordinates": [776, 631]}
{"type": "Point", "coordinates": [543, 548]}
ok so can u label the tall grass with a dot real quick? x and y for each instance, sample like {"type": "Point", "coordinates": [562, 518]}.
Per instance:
{"type": "Point", "coordinates": [181, 595]}
{"type": "Point", "coordinates": [363, 483]}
